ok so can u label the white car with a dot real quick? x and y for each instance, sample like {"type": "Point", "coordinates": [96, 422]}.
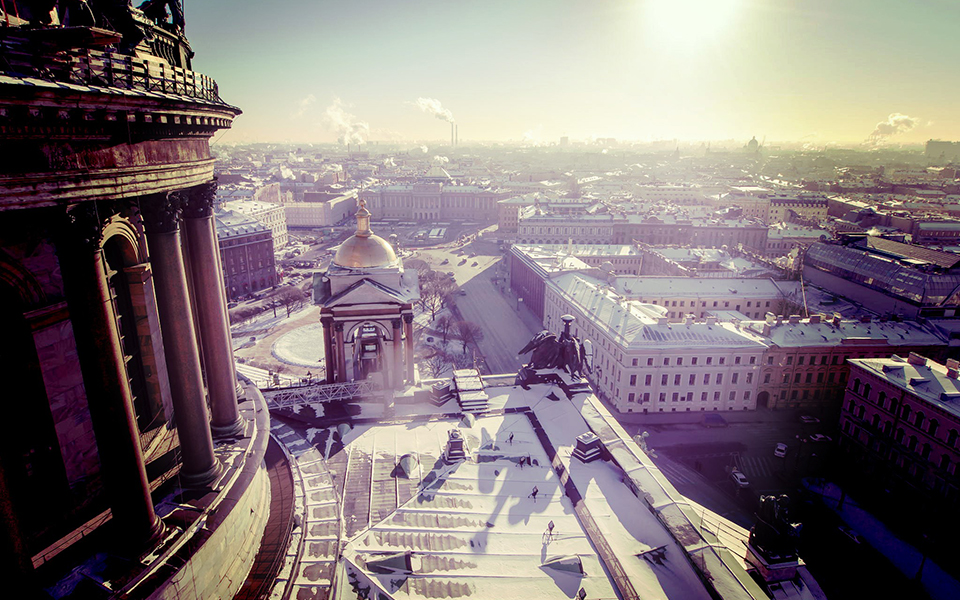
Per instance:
{"type": "Point", "coordinates": [780, 451]}
{"type": "Point", "coordinates": [809, 419]}
{"type": "Point", "coordinates": [819, 437]}
{"type": "Point", "coordinates": [739, 479]}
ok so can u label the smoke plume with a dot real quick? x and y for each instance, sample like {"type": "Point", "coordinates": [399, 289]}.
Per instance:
{"type": "Point", "coordinates": [895, 124]}
{"type": "Point", "coordinates": [432, 106]}
{"type": "Point", "coordinates": [303, 105]}
{"type": "Point", "coordinates": [349, 129]}
{"type": "Point", "coordinates": [440, 160]}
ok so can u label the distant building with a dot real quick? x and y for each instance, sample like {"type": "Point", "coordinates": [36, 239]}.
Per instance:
{"type": "Point", "coordinates": [433, 201]}
{"type": "Point", "coordinates": [805, 364]}
{"type": "Point", "coordinates": [901, 423]}
{"type": "Point", "coordinates": [674, 261]}
{"type": "Point", "coordinates": [246, 251]}
{"type": "Point", "coordinates": [320, 209]}
{"type": "Point", "coordinates": [887, 276]}
{"type": "Point", "coordinates": [941, 150]}
{"type": "Point", "coordinates": [645, 363]}
{"type": "Point", "coordinates": [272, 216]}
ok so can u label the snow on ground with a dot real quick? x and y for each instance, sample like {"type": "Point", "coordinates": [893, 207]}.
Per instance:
{"type": "Point", "coordinates": [266, 320]}
{"type": "Point", "coordinates": [302, 347]}
{"type": "Point", "coordinates": [263, 379]}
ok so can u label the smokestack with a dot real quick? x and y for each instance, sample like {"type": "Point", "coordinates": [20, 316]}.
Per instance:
{"type": "Point", "coordinates": [452, 134]}
{"type": "Point", "coordinates": [456, 137]}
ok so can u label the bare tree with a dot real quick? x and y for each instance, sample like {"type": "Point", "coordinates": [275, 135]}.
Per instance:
{"type": "Point", "coordinates": [466, 332]}
{"type": "Point", "coordinates": [421, 266]}
{"type": "Point", "coordinates": [444, 324]}
{"type": "Point", "coordinates": [291, 298]}
{"type": "Point", "coordinates": [436, 364]}
{"type": "Point", "coordinates": [435, 294]}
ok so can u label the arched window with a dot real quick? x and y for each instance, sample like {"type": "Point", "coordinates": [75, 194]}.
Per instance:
{"type": "Point", "coordinates": [898, 437]}
{"type": "Point", "coordinates": [881, 399]}
{"type": "Point", "coordinates": [925, 452]}
{"type": "Point", "coordinates": [905, 412]}
{"type": "Point", "coordinates": [912, 444]}
{"type": "Point", "coordinates": [857, 385]}
{"type": "Point", "coordinates": [918, 420]}
{"type": "Point", "coordinates": [952, 438]}
{"type": "Point", "coordinates": [933, 427]}
{"type": "Point", "coordinates": [866, 391]}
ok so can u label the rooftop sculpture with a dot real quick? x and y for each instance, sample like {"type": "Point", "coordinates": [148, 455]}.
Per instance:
{"type": "Point", "coordinates": [566, 353]}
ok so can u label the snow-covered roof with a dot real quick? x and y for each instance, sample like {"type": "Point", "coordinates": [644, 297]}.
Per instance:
{"type": "Point", "coordinates": [825, 333]}
{"type": "Point", "coordinates": [696, 287]}
{"type": "Point", "coordinates": [928, 381]}
{"type": "Point", "coordinates": [640, 325]}
{"type": "Point", "coordinates": [474, 527]}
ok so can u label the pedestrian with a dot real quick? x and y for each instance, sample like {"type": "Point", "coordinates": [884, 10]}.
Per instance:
{"type": "Point", "coordinates": [510, 439]}
{"type": "Point", "coordinates": [521, 462]}
{"type": "Point", "coordinates": [534, 493]}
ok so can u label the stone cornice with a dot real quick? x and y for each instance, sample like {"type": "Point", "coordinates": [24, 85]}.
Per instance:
{"type": "Point", "coordinates": [36, 190]}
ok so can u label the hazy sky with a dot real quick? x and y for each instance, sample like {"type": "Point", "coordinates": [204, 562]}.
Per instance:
{"type": "Point", "coordinates": [818, 70]}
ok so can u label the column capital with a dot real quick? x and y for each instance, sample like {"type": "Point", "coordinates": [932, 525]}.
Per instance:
{"type": "Point", "coordinates": [396, 323]}
{"type": "Point", "coordinates": [326, 321]}
{"type": "Point", "coordinates": [199, 200]}
{"type": "Point", "coordinates": [161, 212]}
{"type": "Point", "coordinates": [408, 318]}
{"type": "Point", "coordinates": [338, 326]}
{"type": "Point", "coordinates": [82, 225]}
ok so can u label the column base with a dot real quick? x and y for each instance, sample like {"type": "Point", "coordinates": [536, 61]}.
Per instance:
{"type": "Point", "coordinates": [201, 480]}
{"type": "Point", "coordinates": [232, 430]}
{"type": "Point", "coordinates": [142, 547]}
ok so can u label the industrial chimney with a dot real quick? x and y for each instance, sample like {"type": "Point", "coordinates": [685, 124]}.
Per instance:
{"type": "Point", "coordinates": [452, 134]}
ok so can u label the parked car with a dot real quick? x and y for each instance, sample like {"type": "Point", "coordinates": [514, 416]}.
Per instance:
{"type": "Point", "coordinates": [809, 419]}
{"type": "Point", "coordinates": [446, 261]}
{"type": "Point", "coordinates": [474, 264]}
{"type": "Point", "coordinates": [780, 451]}
{"type": "Point", "coordinates": [739, 479]}
{"type": "Point", "coordinates": [853, 535]}
{"type": "Point", "coordinates": [819, 437]}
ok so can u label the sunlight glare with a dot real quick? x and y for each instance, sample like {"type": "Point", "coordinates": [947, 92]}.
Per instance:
{"type": "Point", "coordinates": [690, 22]}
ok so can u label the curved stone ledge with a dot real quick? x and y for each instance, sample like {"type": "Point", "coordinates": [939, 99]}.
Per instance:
{"type": "Point", "coordinates": [213, 555]}
{"type": "Point", "coordinates": [36, 190]}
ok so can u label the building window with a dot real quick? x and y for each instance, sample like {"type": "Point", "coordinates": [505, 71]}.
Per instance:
{"type": "Point", "coordinates": [716, 396]}
{"type": "Point", "coordinates": [666, 362]}
{"type": "Point", "coordinates": [719, 378]}
{"type": "Point", "coordinates": [646, 380]}
{"type": "Point", "coordinates": [749, 377]}
{"type": "Point", "coordinates": [733, 396]}
{"type": "Point", "coordinates": [753, 360]}
{"type": "Point", "coordinates": [857, 385]}
{"type": "Point", "coordinates": [676, 379]}
{"type": "Point", "coordinates": [736, 360]}
{"type": "Point", "coordinates": [766, 378]}
{"type": "Point", "coordinates": [676, 396]}
{"type": "Point", "coordinates": [663, 396]}
{"type": "Point", "coordinates": [918, 420]}
{"type": "Point", "coordinates": [649, 362]}
{"type": "Point", "coordinates": [679, 360]}
{"type": "Point", "coordinates": [952, 438]}
{"type": "Point", "coordinates": [734, 378]}
{"type": "Point", "coordinates": [746, 396]}
{"type": "Point", "coordinates": [789, 360]}
{"type": "Point", "coordinates": [630, 398]}
{"type": "Point", "coordinates": [706, 379]}
{"type": "Point", "coordinates": [703, 396]}
{"type": "Point", "coordinates": [635, 361]}
{"type": "Point", "coordinates": [663, 379]}
{"type": "Point", "coordinates": [633, 380]}
{"type": "Point", "coordinates": [800, 360]}
{"type": "Point", "coordinates": [905, 412]}
{"type": "Point", "coordinates": [709, 360]}
{"type": "Point", "coordinates": [722, 359]}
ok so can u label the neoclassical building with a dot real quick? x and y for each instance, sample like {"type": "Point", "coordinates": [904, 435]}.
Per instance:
{"type": "Point", "coordinates": [366, 308]}
{"type": "Point", "coordinates": [125, 431]}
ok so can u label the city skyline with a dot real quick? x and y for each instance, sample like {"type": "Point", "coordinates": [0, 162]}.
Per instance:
{"type": "Point", "coordinates": [858, 74]}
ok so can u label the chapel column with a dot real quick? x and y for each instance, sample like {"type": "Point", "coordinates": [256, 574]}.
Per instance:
{"type": "Point", "coordinates": [408, 333]}
{"type": "Point", "coordinates": [162, 221]}
{"type": "Point", "coordinates": [211, 310]}
{"type": "Point", "coordinates": [105, 378]}
{"type": "Point", "coordinates": [341, 353]}
{"type": "Point", "coordinates": [329, 361]}
{"type": "Point", "coordinates": [397, 355]}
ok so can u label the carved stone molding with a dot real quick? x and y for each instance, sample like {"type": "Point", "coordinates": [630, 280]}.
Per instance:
{"type": "Point", "coordinates": [199, 200]}
{"type": "Point", "coordinates": [161, 212]}
{"type": "Point", "coordinates": [83, 226]}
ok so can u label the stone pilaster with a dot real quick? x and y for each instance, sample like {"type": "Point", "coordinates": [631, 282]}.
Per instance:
{"type": "Point", "coordinates": [328, 358]}
{"type": "Point", "coordinates": [161, 214]}
{"type": "Point", "coordinates": [408, 334]}
{"type": "Point", "coordinates": [105, 377]}
{"type": "Point", "coordinates": [341, 353]}
{"type": "Point", "coordinates": [397, 369]}
{"type": "Point", "coordinates": [210, 307]}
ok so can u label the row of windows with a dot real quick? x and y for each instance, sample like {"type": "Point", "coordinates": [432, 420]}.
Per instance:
{"type": "Point", "coordinates": [692, 379]}
{"type": "Point", "coordinates": [911, 443]}
{"type": "Point", "coordinates": [918, 419]}
{"type": "Point", "coordinates": [703, 303]}
{"type": "Point", "coordinates": [685, 397]}
{"type": "Point", "coordinates": [694, 360]}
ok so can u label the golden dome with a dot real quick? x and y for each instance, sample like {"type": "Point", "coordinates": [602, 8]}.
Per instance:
{"type": "Point", "coordinates": [364, 250]}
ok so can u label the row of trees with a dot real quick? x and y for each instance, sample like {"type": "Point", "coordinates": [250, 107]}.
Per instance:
{"type": "Point", "coordinates": [288, 297]}
{"type": "Point", "coordinates": [436, 288]}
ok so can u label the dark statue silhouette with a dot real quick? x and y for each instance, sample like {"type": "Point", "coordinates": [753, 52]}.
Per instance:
{"type": "Point", "coordinates": [565, 352]}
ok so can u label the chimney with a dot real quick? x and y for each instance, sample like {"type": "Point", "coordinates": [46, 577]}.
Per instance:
{"type": "Point", "coordinates": [916, 359]}
{"type": "Point", "coordinates": [662, 321]}
{"type": "Point", "coordinates": [770, 318]}
{"type": "Point", "coordinates": [588, 447]}
{"type": "Point", "coordinates": [766, 329]}
{"type": "Point", "coordinates": [456, 136]}
{"type": "Point", "coordinates": [836, 319]}
{"type": "Point", "coordinates": [689, 320]}
{"type": "Point", "coordinates": [711, 320]}
{"type": "Point", "coordinates": [815, 319]}
{"type": "Point", "coordinates": [794, 319]}
{"type": "Point", "coordinates": [865, 319]}
{"type": "Point", "coordinates": [452, 134]}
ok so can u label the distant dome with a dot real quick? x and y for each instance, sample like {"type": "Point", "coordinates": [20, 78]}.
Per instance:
{"type": "Point", "coordinates": [363, 250]}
